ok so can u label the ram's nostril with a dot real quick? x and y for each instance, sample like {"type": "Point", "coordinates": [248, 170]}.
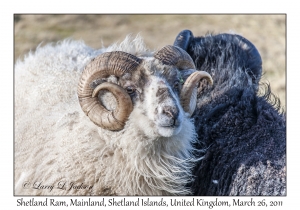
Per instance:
{"type": "Point", "coordinates": [171, 112]}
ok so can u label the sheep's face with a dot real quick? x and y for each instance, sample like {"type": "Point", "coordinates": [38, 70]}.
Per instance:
{"type": "Point", "coordinates": [154, 92]}
{"type": "Point", "coordinates": [118, 87]}
{"type": "Point", "coordinates": [162, 107]}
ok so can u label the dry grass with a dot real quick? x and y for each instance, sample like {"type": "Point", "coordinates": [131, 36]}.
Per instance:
{"type": "Point", "coordinates": [266, 32]}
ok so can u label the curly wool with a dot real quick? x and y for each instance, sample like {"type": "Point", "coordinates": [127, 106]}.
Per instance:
{"type": "Point", "coordinates": [56, 144]}
{"type": "Point", "coordinates": [244, 134]}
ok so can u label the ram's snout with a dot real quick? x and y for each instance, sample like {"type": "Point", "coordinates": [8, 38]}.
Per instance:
{"type": "Point", "coordinates": [169, 115]}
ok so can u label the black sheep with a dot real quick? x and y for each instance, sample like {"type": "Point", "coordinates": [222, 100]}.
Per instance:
{"type": "Point", "coordinates": [243, 132]}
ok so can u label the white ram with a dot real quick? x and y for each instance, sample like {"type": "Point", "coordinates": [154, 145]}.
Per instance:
{"type": "Point", "coordinates": [104, 122]}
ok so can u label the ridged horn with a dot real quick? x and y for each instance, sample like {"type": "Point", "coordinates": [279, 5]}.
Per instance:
{"type": "Point", "coordinates": [112, 63]}
{"type": "Point", "coordinates": [175, 56]}
{"type": "Point", "coordinates": [188, 94]}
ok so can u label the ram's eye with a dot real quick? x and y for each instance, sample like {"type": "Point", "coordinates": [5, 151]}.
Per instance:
{"type": "Point", "coordinates": [130, 90]}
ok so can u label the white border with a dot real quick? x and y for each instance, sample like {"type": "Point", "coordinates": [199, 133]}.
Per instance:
{"type": "Point", "coordinates": [154, 6]}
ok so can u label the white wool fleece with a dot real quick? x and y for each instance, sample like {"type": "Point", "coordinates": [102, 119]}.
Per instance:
{"type": "Point", "coordinates": [59, 151]}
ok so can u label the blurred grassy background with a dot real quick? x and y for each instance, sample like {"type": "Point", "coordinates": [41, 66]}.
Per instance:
{"type": "Point", "coordinates": [266, 32]}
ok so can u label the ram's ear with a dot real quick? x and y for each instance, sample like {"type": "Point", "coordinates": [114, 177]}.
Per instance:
{"type": "Point", "coordinates": [183, 39]}
{"type": "Point", "coordinates": [248, 57]}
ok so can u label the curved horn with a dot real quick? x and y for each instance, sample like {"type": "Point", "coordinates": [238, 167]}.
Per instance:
{"type": "Point", "coordinates": [188, 95]}
{"type": "Point", "coordinates": [172, 55]}
{"type": "Point", "coordinates": [112, 63]}
{"type": "Point", "coordinates": [183, 39]}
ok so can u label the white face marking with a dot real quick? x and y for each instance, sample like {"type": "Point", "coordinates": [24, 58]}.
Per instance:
{"type": "Point", "coordinates": [161, 107]}
{"type": "Point", "coordinates": [157, 110]}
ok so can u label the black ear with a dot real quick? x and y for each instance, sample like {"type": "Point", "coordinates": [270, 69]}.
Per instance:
{"type": "Point", "coordinates": [253, 59]}
{"type": "Point", "coordinates": [183, 39]}
{"type": "Point", "coordinates": [246, 56]}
